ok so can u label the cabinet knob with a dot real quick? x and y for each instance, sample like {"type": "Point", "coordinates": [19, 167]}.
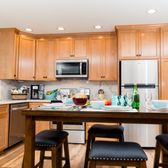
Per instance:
{"type": "Point", "coordinates": [33, 77]}
{"type": "Point", "coordinates": [14, 75]}
{"type": "Point", "coordinates": [45, 77]}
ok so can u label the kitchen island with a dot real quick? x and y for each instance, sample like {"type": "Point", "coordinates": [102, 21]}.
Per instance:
{"type": "Point", "coordinates": [76, 115]}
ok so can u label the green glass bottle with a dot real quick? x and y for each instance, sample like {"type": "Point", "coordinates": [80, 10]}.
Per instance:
{"type": "Point", "coordinates": [136, 98]}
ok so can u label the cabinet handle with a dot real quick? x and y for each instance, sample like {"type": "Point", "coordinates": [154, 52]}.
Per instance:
{"type": "Point", "coordinates": [14, 75]}
{"type": "Point", "coordinates": [45, 77]}
{"type": "Point", "coordinates": [72, 55]}
{"type": "Point", "coordinates": [138, 55]}
{"type": "Point", "coordinates": [33, 77]}
{"type": "Point", "coordinates": [103, 76]}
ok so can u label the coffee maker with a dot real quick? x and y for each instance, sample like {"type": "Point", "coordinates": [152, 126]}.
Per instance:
{"type": "Point", "coordinates": [37, 91]}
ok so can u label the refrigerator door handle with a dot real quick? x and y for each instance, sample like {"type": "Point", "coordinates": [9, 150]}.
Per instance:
{"type": "Point", "coordinates": [139, 85]}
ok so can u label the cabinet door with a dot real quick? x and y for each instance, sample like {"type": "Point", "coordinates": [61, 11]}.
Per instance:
{"type": "Point", "coordinates": [26, 66]}
{"type": "Point", "coordinates": [164, 42]}
{"type": "Point", "coordinates": [164, 79]}
{"type": "Point", "coordinates": [149, 43]}
{"type": "Point", "coordinates": [40, 125]}
{"type": "Point", "coordinates": [110, 62]}
{"type": "Point", "coordinates": [127, 43]}
{"type": "Point", "coordinates": [45, 59]}
{"type": "Point", "coordinates": [8, 53]}
{"type": "Point", "coordinates": [96, 54]}
{"type": "Point", "coordinates": [65, 47]}
{"type": "Point", "coordinates": [81, 47]}
{"type": "Point", "coordinates": [3, 126]}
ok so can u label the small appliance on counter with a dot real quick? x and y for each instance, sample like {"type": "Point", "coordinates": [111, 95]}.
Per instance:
{"type": "Point", "coordinates": [37, 91]}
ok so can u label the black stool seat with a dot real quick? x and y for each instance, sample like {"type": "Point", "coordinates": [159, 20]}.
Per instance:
{"type": "Point", "coordinates": [109, 131]}
{"type": "Point", "coordinates": [50, 138]}
{"type": "Point", "coordinates": [163, 140]}
{"type": "Point", "coordinates": [117, 151]}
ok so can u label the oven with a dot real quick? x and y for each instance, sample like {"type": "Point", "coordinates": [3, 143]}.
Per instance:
{"type": "Point", "coordinates": [16, 123]}
{"type": "Point", "coordinates": [76, 131]}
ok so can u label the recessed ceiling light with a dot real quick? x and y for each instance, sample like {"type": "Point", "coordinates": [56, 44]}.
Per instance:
{"type": "Point", "coordinates": [28, 30]}
{"type": "Point", "coordinates": [97, 27]}
{"type": "Point", "coordinates": [151, 11]}
{"type": "Point", "coordinates": [61, 28]}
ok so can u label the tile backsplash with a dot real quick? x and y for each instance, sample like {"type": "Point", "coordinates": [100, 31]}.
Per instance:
{"type": "Point", "coordinates": [108, 87]}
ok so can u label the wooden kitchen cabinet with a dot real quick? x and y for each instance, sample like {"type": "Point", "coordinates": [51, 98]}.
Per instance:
{"type": "Point", "coordinates": [164, 42]}
{"type": "Point", "coordinates": [103, 58]}
{"type": "Point", "coordinates": [26, 65]}
{"type": "Point", "coordinates": [164, 79]}
{"type": "Point", "coordinates": [45, 59]}
{"type": "Point", "coordinates": [138, 42]}
{"type": "Point", "coordinates": [40, 125]}
{"type": "Point", "coordinates": [8, 53]}
{"type": "Point", "coordinates": [4, 117]}
{"type": "Point", "coordinates": [70, 47]}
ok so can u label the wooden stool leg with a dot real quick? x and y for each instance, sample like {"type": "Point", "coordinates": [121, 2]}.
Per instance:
{"type": "Point", "coordinates": [92, 164]}
{"type": "Point", "coordinates": [157, 155]}
{"type": "Point", "coordinates": [143, 165]}
{"type": "Point", "coordinates": [66, 151]}
{"type": "Point", "coordinates": [87, 152]}
{"type": "Point", "coordinates": [42, 153]}
{"type": "Point", "coordinates": [53, 157]}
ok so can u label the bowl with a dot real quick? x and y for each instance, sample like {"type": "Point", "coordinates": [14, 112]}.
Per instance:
{"type": "Point", "coordinates": [159, 103]}
{"type": "Point", "coordinates": [79, 101]}
{"type": "Point", "coordinates": [96, 104]}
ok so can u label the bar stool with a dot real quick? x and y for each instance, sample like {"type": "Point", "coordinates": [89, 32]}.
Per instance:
{"type": "Point", "coordinates": [104, 131]}
{"type": "Point", "coordinates": [161, 145]}
{"type": "Point", "coordinates": [117, 154]}
{"type": "Point", "coordinates": [52, 140]}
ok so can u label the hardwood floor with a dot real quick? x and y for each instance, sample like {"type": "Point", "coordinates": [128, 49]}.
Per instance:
{"type": "Point", "coordinates": [12, 158]}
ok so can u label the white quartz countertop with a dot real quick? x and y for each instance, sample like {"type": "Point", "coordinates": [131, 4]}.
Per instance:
{"type": "Point", "coordinates": [22, 101]}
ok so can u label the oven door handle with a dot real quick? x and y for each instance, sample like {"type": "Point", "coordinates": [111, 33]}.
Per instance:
{"type": "Point", "coordinates": [19, 108]}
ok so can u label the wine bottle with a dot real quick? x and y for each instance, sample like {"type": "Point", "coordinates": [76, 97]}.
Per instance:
{"type": "Point", "coordinates": [136, 98]}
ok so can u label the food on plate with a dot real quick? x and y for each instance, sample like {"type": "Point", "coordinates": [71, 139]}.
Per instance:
{"type": "Point", "coordinates": [107, 102]}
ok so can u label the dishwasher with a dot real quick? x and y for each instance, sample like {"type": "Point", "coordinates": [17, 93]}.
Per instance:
{"type": "Point", "coordinates": [16, 123]}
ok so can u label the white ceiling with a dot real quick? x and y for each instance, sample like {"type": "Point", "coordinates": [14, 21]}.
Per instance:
{"type": "Point", "coordinates": [44, 16]}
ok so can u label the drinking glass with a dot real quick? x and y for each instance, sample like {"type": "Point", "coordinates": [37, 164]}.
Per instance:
{"type": "Point", "coordinates": [148, 98]}
{"type": "Point", "coordinates": [129, 98]}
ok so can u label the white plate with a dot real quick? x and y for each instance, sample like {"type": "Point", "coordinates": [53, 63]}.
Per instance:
{"type": "Point", "coordinates": [118, 108]}
{"type": "Point", "coordinates": [53, 105]}
{"type": "Point", "coordinates": [151, 107]}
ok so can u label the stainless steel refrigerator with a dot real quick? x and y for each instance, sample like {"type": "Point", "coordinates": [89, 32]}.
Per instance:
{"type": "Point", "coordinates": [144, 73]}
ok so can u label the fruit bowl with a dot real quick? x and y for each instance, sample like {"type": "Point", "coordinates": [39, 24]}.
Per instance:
{"type": "Point", "coordinates": [80, 99]}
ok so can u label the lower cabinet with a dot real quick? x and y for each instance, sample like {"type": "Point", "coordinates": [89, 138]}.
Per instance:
{"type": "Point", "coordinates": [40, 125]}
{"type": "Point", "coordinates": [4, 117]}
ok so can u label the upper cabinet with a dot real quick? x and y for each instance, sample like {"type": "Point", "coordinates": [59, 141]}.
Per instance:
{"type": "Point", "coordinates": [8, 53]}
{"type": "Point", "coordinates": [45, 59]}
{"type": "Point", "coordinates": [26, 65]}
{"type": "Point", "coordinates": [164, 42]}
{"type": "Point", "coordinates": [70, 47]}
{"type": "Point", "coordinates": [103, 57]}
{"type": "Point", "coordinates": [138, 42]}
{"type": "Point", "coordinates": [164, 63]}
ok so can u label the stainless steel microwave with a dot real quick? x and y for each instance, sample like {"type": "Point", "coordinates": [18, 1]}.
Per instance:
{"type": "Point", "coordinates": [73, 68]}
